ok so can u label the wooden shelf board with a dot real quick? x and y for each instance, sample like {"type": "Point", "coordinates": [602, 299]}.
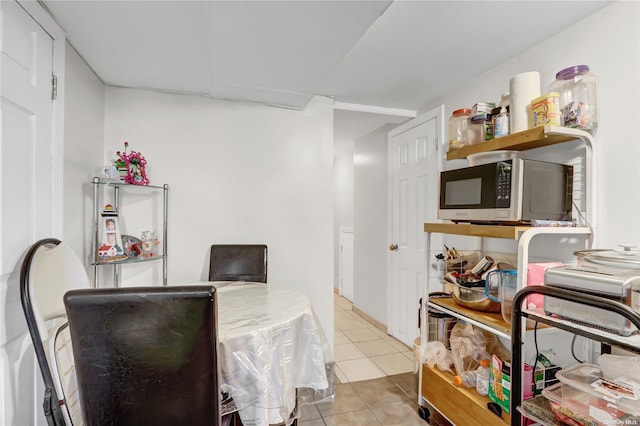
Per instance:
{"type": "Point", "coordinates": [490, 231]}
{"type": "Point", "coordinates": [494, 321]}
{"type": "Point", "coordinates": [527, 139]}
{"type": "Point", "coordinates": [463, 406]}
{"type": "Point", "coordinates": [512, 232]}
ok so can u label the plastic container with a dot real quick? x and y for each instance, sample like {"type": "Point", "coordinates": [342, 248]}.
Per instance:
{"type": "Point", "coordinates": [482, 377]}
{"type": "Point", "coordinates": [575, 406]}
{"type": "Point", "coordinates": [588, 378]}
{"type": "Point", "coordinates": [482, 108]}
{"type": "Point", "coordinates": [578, 90]}
{"type": "Point", "coordinates": [480, 129]}
{"type": "Point", "coordinates": [466, 379]}
{"type": "Point", "coordinates": [507, 283]}
{"type": "Point", "coordinates": [616, 366]}
{"type": "Point", "coordinates": [458, 128]}
{"type": "Point", "coordinates": [545, 110]}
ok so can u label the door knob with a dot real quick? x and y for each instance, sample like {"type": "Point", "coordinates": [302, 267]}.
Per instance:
{"type": "Point", "coordinates": [393, 247]}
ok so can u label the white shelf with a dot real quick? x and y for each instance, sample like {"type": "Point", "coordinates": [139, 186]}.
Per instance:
{"type": "Point", "coordinates": [529, 139]}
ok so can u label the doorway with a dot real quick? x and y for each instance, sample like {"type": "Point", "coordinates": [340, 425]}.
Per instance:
{"type": "Point", "coordinates": [31, 185]}
{"type": "Point", "coordinates": [413, 188]}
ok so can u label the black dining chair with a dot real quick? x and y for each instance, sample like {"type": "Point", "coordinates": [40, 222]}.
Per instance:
{"type": "Point", "coordinates": [51, 268]}
{"type": "Point", "coordinates": [146, 355]}
{"type": "Point", "coordinates": [238, 262]}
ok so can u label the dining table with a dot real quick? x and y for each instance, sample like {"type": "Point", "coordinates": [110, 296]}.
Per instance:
{"type": "Point", "coordinates": [272, 352]}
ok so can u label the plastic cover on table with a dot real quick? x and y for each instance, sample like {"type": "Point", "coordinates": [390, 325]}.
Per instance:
{"type": "Point", "coordinates": [274, 356]}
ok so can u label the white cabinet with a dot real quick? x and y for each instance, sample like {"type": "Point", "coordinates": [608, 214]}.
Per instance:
{"type": "Point", "coordinates": [117, 189]}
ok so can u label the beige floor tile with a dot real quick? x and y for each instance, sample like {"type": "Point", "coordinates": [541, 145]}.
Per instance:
{"type": "Point", "coordinates": [397, 344]}
{"type": "Point", "coordinates": [402, 413]}
{"type": "Point", "coordinates": [361, 334]}
{"type": "Point", "coordinates": [342, 316]}
{"type": "Point", "coordinates": [393, 363]}
{"type": "Point", "coordinates": [340, 375]}
{"type": "Point", "coordinates": [408, 382]}
{"type": "Point", "coordinates": [309, 412]}
{"type": "Point", "coordinates": [350, 324]}
{"type": "Point", "coordinates": [360, 369]}
{"type": "Point", "coordinates": [379, 391]}
{"type": "Point", "coordinates": [409, 355]}
{"type": "Point", "coordinates": [346, 399]}
{"type": "Point", "coordinates": [376, 347]}
{"type": "Point", "coordinates": [347, 351]}
{"type": "Point", "coordinates": [339, 338]}
{"type": "Point", "coordinates": [354, 418]}
{"type": "Point", "coordinates": [314, 422]}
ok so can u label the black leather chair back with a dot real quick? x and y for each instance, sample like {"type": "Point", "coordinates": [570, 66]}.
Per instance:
{"type": "Point", "coordinates": [238, 262]}
{"type": "Point", "coordinates": [146, 355]}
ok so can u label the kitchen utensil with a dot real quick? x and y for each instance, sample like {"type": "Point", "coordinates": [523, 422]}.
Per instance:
{"type": "Point", "coordinates": [473, 298]}
{"type": "Point", "coordinates": [506, 282]}
{"type": "Point", "coordinates": [439, 324]}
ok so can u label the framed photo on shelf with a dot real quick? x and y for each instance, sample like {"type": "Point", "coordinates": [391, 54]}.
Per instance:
{"type": "Point", "coordinates": [110, 248]}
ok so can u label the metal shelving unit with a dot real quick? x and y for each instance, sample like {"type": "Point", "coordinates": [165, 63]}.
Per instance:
{"type": "Point", "coordinates": [117, 187]}
{"type": "Point", "coordinates": [528, 139]}
{"type": "Point", "coordinates": [629, 343]}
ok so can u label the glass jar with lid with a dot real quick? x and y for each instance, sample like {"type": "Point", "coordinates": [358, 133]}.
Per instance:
{"type": "Point", "coordinates": [458, 126]}
{"type": "Point", "coordinates": [578, 89]}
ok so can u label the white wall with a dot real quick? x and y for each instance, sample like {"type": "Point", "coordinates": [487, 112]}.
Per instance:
{"type": "Point", "coordinates": [609, 42]}
{"type": "Point", "coordinates": [83, 149]}
{"type": "Point", "coordinates": [237, 172]}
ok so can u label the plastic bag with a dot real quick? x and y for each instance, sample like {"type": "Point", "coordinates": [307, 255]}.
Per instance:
{"type": "Point", "coordinates": [436, 354]}
{"type": "Point", "coordinates": [468, 347]}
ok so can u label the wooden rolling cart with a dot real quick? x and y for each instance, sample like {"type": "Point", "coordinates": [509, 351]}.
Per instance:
{"type": "Point", "coordinates": [463, 406]}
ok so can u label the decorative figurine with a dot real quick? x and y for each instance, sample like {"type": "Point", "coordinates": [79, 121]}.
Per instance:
{"type": "Point", "coordinates": [131, 167]}
{"type": "Point", "coordinates": [111, 248]}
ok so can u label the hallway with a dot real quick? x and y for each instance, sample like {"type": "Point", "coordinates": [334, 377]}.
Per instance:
{"type": "Point", "coordinates": [375, 384]}
{"type": "Point", "coordinates": [362, 351]}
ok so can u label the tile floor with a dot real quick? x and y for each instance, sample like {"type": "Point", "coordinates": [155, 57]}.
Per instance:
{"type": "Point", "coordinates": [375, 384]}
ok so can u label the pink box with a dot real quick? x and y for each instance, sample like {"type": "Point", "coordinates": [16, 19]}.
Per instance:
{"type": "Point", "coordinates": [535, 276]}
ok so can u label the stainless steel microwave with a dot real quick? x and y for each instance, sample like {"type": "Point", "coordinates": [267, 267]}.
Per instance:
{"type": "Point", "coordinates": [515, 190]}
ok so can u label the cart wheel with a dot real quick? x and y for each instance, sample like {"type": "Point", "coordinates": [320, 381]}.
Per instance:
{"type": "Point", "coordinates": [424, 413]}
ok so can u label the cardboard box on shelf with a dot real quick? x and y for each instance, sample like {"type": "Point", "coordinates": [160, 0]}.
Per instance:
{"type": "Point", "coordinates": [500, 383]}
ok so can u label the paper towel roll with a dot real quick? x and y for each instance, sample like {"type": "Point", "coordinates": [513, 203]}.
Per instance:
{"type": "Point", "coordinates": [524, 88]}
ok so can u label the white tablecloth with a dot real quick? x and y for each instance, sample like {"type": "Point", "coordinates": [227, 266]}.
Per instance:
{"type": "Point", "coordinates": [270, 344]}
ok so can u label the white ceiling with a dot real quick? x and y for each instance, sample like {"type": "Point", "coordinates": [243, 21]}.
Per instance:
{"type": "Point", "coordinates": [400, 54]}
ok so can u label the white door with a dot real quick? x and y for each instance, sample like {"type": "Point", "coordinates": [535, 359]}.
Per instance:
{"type": "Point", "coordinates": [28, 191]}
{"type": "Point", "coordinates": [346, 263]}
{"type": "Point", "coordinates": [413, 177]}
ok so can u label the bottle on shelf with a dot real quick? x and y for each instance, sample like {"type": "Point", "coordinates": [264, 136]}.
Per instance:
{"type": "Point", "coordinates": [466, 379]}
{"type": "Point", "coordinates": [482, 377]}
{"type": "Point", "coordinates": [501, 123]}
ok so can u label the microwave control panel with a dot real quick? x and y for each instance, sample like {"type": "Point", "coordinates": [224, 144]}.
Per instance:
{"type": "Point", "coordinates": [503, 184]}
